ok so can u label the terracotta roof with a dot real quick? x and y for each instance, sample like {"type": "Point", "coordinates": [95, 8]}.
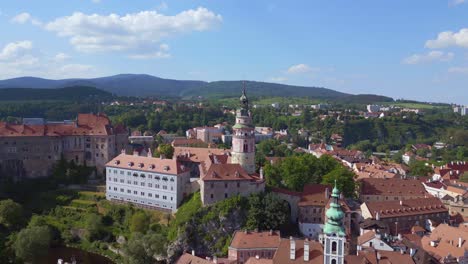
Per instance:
{"type": "Point", "coordinates": [435, 185]}
{"type": "Point", "coordinates": [227, 172]}
{"type": "Point", "coordinates": [86, 124]}
{"type": "Point", "coordinates": [412, 238]}
{"type": "Point", "coordinates": [315, 194]}
{"type": "Point", "coordinates": [147, 164]}
{"type": "Point", "coordinates": [366, 237]}
{"type": "Point", "coordinates": [447, 238]}
{"type": "Point", "coordinates": [187, 141]}
{"type": "Point", "coordinates": [249, 240]}
{"type": "Point", "coordinates": [456, 190]}
{"type": "Point", "coordinates": [285, 191]}
{"type": "Point", "coordinates": [393, 187]}
{"type": "Point", "coordinates": [417, 228]}
{"type": "Point", "coordinates": [417, 206]}
{"type": "Point", "coordinates": [190, 259]}
{"type": "Point", "coordinates": [198, 154]}
{"type": "Point", "coordinates": [253, 260]}
{"type": "Point", "coordinates": [282, 254]}
{"type": "Point", "coordinates": [394, 257]}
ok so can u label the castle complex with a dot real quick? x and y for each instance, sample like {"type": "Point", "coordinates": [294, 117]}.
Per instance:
{"type": "Point", "coordinates": [30, 149]}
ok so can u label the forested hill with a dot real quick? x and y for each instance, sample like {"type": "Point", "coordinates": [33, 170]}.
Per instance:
{"type": "Point", "coordinates": [75, 93]}
{"type": "Point", "coordinates": [143, 85]}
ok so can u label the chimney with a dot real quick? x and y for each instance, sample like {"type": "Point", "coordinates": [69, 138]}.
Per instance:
{"type": "Point", "coordinates": [161, 156]}
{"type": "Point", "coordinates": [378, 256]}
{"type": "Point", "coordinates": [149, 153]}
{"type": "Point", "coordinates": [399, 237]}
{"type": "Point", "coordinates": [261, 173]}
{"type": "Point", "coordinates": [271, 232]}
{"type": "Point", "coordinates": [412, 251]}
{"type": "Point", "coordinates": [306, 250]}
{"type": "Point", "coordinates": [122, 151]}
{"type": "Point", "coordinates": [377, 216]}
{"type": "Point", "coordinates": [135, 153]}
{"type": "Point", "coordinates": [402, 251]}
{"type": "Point", "coordinates": [257, 256]}
{"type": "Point", "coordinates": [327, 194]}
{"type": "Point", "coordinates": [460, 242]}
{"type": "Point", "coordinates": [401, 202]}
{"type": "Point", "coordinates": [215, 260]}
{"type": "Point", "coordinates": [292, 249]}
{"type": "Point", "coordinates": [193, 252]}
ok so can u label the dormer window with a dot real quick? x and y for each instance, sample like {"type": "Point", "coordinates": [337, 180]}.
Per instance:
{"type": "Point", "coordinates": [140, 165]}
{"type": "Point", "coordinates": [164, 178]}
{"type": "Point", "coordinates": [166, 168]}
{"type": "Point", "coordinates": [172, 179]}
{"type": "Point", "coordinates": [130, 164]}
{"type": "Point", "coordinates": [152, 166]}
{"type": "Point", "coordinates": [117, 162]}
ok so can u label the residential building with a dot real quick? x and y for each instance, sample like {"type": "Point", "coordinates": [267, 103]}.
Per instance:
{"type": "Point", "coordinates": [371, 239]}
{"type": "Point", "coordinates": [247, 244]}
{"type": "Point", "coordinates": [401, 215]}
{"type": "Point", "coordinates": [298, 251]}
{"type": "Point", "coordinates": [394, 189]}
{"type": "Point", "coordinates": [154, 183]}
{"type": "Point", "coordinates": [314, 201]}
{"type": "Point", "coordinates": [30, 149]}
{"type": "Point", "coordinates": [445, 241]}
{"type": "Point", "coordinates": [373, 108]}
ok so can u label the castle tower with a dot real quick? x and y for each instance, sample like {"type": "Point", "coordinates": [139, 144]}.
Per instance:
{"type": "Point", "coordinates": [334, 232]}
{"type": "Point", "coordinates": [243, 140]}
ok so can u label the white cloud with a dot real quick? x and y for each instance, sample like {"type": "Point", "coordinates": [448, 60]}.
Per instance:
{"type": "Point", "coordinates": [448, 38]}
{"type": "Point", "coordinates": [23, 18]}
{"type": "Point", "coordinates": [301, 68]}
{"type": "Point", "coordinates": [456, 2]}
{"type": "Point", "coordinates": [19, 59]}
{"type": "Point", "coordinates": [162, 53]}
{"type": "Point", "coordinates": [61, 56]}
{"type": "Point", "coordinates": [15, 49]}
{"type": "Point", "coordinates": [278, 79]}
{"type": "Point", "coordinates": [132, 32]}
{"type": "Point", "coordinates": [463, 70]}
{"type": "Point", "coordinates": [431, 56]}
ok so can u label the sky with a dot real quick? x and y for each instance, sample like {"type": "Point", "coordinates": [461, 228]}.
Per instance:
{"type": "Point", "coordinates": [414, 49]}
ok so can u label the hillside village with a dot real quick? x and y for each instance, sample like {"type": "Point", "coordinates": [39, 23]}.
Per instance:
{"type": "Point", "coordinates": [391, 216]}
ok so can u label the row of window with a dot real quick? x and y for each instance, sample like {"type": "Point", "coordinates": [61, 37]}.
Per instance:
{"type": "Point", "coordinates": [122, 190]}
{"type": "Point", "coordinates": [157, 186]}
{"type": "Point", "coordinates": [225, 185]}
{"type": "Point", "coordinates": [142, 175]}
{"type": "Point", "coordinates": [141, 202]}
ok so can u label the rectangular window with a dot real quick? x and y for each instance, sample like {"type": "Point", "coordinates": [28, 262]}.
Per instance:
{"type": "Point", "coordinates": [164, 187]}
{"type": "Point", "coordinates": [128, 191]}
{"type": "Point", "coordinates": [164, 197]}
{"type": "Point", "coordinates": [150, 185]}
{"type": "Point", "coordinates": [142, 194]}
{"type": "Point", "coordinates": [157, 195]}
{"type": "Point", "coordinates": [121, 190]}
{"type": "Point", "coordinates": [135, 192]}
{"type": "Point", "coordinates": [225, 195]}
{"type": "Point", "coordinates": [142, 184]}
{"type": "Point", "coordinates": [225, 185]}
{"type": "Point", "coordinates": [172, 198]}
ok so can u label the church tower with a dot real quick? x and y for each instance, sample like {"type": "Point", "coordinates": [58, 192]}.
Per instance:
{"type": "Point", "coordinates": [334, 232]}
{"type": "Point", "coordinates": [243, 139]}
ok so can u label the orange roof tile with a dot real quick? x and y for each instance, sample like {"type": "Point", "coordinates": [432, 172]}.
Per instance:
{"type": "Point", "coordinates": [250, 240]}
{"type": "Point", "coordinates": [417, 206]}
{"type": "Point", "coordinates": [282, 254]}
{"type": "Point", "coordinates": [147, 164]}
{"type": "Point", "coordinates": [394, 187]}
{"type": "Point", "coordinates": [447, 238]}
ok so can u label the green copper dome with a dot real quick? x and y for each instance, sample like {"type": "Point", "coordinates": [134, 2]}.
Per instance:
{"type": "Point", "coordinates": [335, 215]}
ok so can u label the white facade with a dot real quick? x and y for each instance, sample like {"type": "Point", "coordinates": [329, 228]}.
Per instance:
{"type": "Point", "coordinates": [311, 230]}
{"type": "Point", "coordinates": [147, 189]}
{"type": "Point", "coordinates": [373, 108]}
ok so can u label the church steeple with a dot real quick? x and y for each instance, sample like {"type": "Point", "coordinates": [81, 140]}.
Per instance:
{"type": "Point", "coordinates": [335, 216]}
{"type": "Point", "coordinates": [334, 231]}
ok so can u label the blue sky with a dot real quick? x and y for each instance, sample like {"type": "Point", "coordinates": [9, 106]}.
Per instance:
{"type": "Point", "coordinates": [404, 49]}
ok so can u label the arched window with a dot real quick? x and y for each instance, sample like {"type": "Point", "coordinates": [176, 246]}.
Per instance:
{"type": "Point", "coordinates": [334, 247]}
{"type": "Point", "coordinates": [333, 261]}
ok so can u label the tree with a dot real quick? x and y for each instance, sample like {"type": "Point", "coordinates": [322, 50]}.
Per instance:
{"type": "Point", "coordinates": [140, 222]}
{"type": "Point", "coordinates": [165, 150]}
{"type": "Point", "coordinates": [32, 242]}
{"type": "Point", "coordinates": [143, 249]}
{"type": "Point", "coordinates": [419, 168]}
{"type": "Point", "coordinates": [344, 180]}
{"type": "Point", "coordinates": [266, 212]}
{"type": "Point", "coordinates": [11, 213]}
{"type": "Point", "coordinates": [94, 227]}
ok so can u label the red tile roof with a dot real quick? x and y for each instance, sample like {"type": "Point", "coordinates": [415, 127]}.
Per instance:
{"type": "Point", "coordinates": [282, 254]}
{"type": "Point", "coordinates": [418, 206]}
{"type": "Point", "coordinates": [251, 240]}
{"type": "Point", "coordinates": [315, 195]}
{"type": "Point", "coordinates": [393, 187]}
{"type": "Point", "coordinates": [147, 164]}
{"type": "Point", "coordinates": [226, 172]}
{"type": "Point", "coordinates": [447, 238]}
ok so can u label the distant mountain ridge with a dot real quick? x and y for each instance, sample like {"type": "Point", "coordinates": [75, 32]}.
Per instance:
{"type": "Point", "coordinates": [73, 93]}
{"type": "Point", "coordinates": [143, 85]}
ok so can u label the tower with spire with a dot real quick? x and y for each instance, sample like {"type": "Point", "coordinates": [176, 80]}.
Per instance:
{"type": "Point", "coordinates": [334, 235]}
{"type": "Point", "coordinates": [243, 140]}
